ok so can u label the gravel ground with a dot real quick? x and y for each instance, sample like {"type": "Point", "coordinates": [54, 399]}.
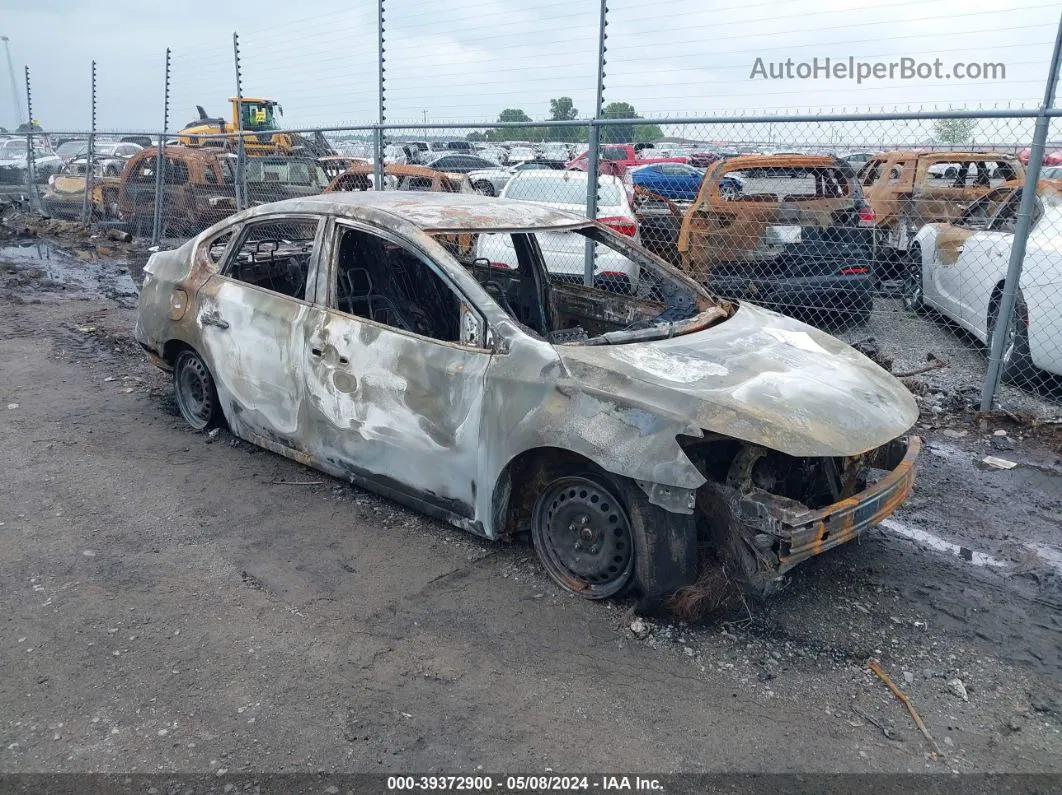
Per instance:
{"type": "Point", "coordinates": [908, 339]}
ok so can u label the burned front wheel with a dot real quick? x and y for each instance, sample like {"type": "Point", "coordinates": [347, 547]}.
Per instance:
{"type": "Point", "coordinates": [197, 397]}
{"type": "Point", "coordinates": [582, 534]}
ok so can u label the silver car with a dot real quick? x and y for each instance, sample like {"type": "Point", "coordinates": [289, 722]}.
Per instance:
{"type": "Point", "coordinates": [638, 440]}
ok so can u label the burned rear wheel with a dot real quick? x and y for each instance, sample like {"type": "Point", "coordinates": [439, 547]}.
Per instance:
{"type": "Point", "coordinates": [582, 535]}
{"type": "Point", "coordinates": [197, 397]}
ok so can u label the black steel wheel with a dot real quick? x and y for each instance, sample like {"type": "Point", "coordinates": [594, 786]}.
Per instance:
{"type": "Point", "coordinates": [582, 534]}
{"type": "Point", "coordinates": [197, 396]}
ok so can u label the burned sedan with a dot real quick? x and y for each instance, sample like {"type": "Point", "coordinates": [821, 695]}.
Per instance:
{"type": "Point", "coordinates": [637, 438]}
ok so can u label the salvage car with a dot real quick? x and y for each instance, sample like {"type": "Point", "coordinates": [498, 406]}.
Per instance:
{"type": "Point", "coordinates": [198, 189]}
{"type": "Point", "coordinates": [677, 181]}
{"type": "Point", "coordinates": [796, 239]}
{"type": "Point", "coordinates": [492, 181]}
{"type": "Point", "coordinates": [400, 177]}
{"type": "Point", "coordinates": [635, 439]}
{"type": "Point", "coordinates": [65, 195]}
{"type": "Point", "coordinates": [13, 161]}
{"type": "Point", "coordinates": [909, 189]}
{"type": "Point", "coordinates": [958, 269]}
{"type": "Point", "coordinates": [565, 255]}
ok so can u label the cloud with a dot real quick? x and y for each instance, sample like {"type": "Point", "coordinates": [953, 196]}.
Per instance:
{"type": "Point", "coordinates": [468, 59]}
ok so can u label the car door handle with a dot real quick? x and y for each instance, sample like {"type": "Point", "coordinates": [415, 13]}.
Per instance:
{"type": "Point", "coordinates": [213, 319]}
{"type": "Point", "coordinates": [318, 353]}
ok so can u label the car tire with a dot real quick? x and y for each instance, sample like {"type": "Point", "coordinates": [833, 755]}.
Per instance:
{"type": "Point", "coordinates": [728, 191]}
{"type": "Point", "coordinates": [583, 536]}
{"type": "Point", "coordinates": [484, 187]}
{"type": "Point", "coordinates": [1016, 363]}
{"type": "Point", "coordinates": [913, 289]}
{"type": "Point", "coordinates": [642, 546]}
{"type": "Point", "coordinates": [197, 396]}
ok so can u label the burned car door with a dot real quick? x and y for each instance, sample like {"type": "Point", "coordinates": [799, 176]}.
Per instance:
{"type": "Point", "coordinates": [252, 318]}
{"type": "Point", "coordinates": [396, 371]}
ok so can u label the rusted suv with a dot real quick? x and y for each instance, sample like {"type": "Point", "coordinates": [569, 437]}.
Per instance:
{"type": "Point", "coordinates": [909, 189]}
{"type": "Point", "coordinates": [789, 232]}
{"type": "Point", "coordinates": [198, 190]}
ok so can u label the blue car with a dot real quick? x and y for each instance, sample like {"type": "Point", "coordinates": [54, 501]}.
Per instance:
{"type": "Point", "coordinates": [679, 182]}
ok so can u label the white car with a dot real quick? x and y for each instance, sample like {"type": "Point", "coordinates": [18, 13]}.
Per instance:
{"type": "Point", "coordinates": [492, 181]}
{"type": "Point", "coordinates": [564, 255]}
{"type": "Point", "coordinates": [556, 151]}
{"type": "Point", "coordinates": [959, 269]}
{"type": "Point", "coordinates": [517, 154]}
{"type": "Point", "coordinates": [13, 161]}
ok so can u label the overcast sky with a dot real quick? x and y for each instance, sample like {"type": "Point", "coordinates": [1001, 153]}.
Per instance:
{"type": "Point", "coordinates": [468, 59]}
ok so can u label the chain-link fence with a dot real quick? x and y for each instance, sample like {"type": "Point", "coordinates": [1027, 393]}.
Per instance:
{"type": "Point", "coordinates": [869, 226]}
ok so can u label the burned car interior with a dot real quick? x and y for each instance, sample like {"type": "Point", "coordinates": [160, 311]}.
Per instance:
{"type": "Point", "coordinates": [382, 281]}
{"type": "Point", "coordinates": [275, 256]}
{"type": "Point", "coordinates": [555, 307]}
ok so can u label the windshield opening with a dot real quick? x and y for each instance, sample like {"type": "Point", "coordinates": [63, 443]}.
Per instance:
{"type": "Point", "coordinates": [537, 278]}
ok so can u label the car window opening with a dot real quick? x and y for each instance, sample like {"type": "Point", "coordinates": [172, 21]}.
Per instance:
{"type": "Point", "coordinates": [275, 256]}
{"type": "Point", "coordinates": [381, 281]}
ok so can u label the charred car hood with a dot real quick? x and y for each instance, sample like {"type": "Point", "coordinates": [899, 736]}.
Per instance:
{"type": "Point", "coordinates": [758, 376]}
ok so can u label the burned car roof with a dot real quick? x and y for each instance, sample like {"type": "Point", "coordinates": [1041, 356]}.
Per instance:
{"type": "Point", "coordinates": [779, 161]}
{"type": "Point", "coordinates": [439, 212]}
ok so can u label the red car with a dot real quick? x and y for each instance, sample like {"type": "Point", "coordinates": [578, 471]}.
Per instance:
{"type": "Point", "coordinates": [1052, 158]}
{"type": "Point", "coordinates": [615, 159]}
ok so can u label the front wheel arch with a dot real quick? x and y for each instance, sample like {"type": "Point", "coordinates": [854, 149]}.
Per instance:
{"type": "Point", "coordinates": [666, 552]}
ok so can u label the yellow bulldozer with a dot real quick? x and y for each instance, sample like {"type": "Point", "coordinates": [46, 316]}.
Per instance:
{"type": "Point", "coordinates": [256, 118]}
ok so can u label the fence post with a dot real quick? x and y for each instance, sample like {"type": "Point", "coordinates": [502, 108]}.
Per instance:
{"type": "Point", "coordinates": [241, 172]}
{"type": "Point", "coordinates": [86, 200]}
{"type": "Point", "coordinates": [160, 158]}
{"type": "Point", "coordinates": [378, 143]}
{"type": "Point", "coordinates": [1021, 230]}
{"type": "Point", "coordinates": [593, 148]}
{"type": "Point", "coordinates": [31, 178]}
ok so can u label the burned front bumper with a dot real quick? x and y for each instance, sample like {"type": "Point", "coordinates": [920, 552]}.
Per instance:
{"type": "Point", "coordinates": [789, 532]}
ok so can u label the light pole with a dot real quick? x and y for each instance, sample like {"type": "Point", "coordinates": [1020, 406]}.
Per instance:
{"type": "Point", "coordinates": [14, 86]}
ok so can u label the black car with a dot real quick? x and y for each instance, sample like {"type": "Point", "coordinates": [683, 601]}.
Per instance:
{"type": "Point", "coordinates": [458, 163]}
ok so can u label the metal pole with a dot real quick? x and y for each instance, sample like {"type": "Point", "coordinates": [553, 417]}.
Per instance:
{"type": "Point", "coordinates": [160, 159]}
{"type": "Point", "coordinates": [86, 200]}
{"type": "Point", "coordinates": [14, 86]}
{"type": "Point", "coordinates": [241, 172]}
{"type": "Point", "coordinates": [31, 178]}
{"type": "Point", "coordinates": [593, 149]}
{"type": "Point", "coordinates": [1021, 230]}
{"type": "Point", "coordinates": [378, 162]}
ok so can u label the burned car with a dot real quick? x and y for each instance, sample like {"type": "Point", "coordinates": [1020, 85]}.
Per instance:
{"type": "Point", "coordinates": [359, 176]}
{"type": "Point", "coordinates": [198, 189]}
{"type": "Point", "coordinates": [796, 236]}
{"type": "Point", "coordinates": [635, 438]}
{"type": "Point", "coordinates": [909, 189]}
{"type": "Point", "coordinates": [66, 195]}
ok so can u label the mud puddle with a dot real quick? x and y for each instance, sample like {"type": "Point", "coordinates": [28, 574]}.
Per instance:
{"type": "Point", "coordinates": [37, 270]}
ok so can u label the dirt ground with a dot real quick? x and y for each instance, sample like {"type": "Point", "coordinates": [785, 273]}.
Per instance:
{"type": "Point", "coordinates": [176, 602]}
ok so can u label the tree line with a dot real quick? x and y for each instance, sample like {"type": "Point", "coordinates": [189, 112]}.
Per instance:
{"type": "Point", "coordinates": [563, 109]}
